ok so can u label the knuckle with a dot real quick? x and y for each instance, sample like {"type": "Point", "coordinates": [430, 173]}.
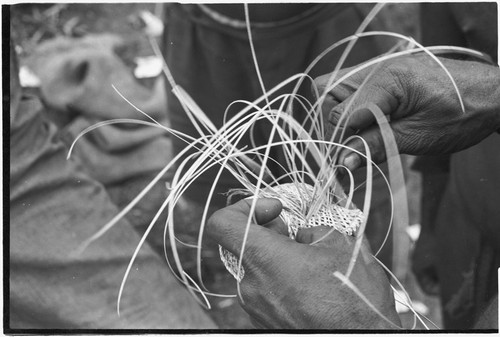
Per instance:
{"type": "Point", "coordinates": [214, 220]}
{"type": "Point", "coordinates": [320, 82]}
{"type": "Point", "coordinates": [335, 114]}
{"type": "Point", "coordinates": [406, 86]}
{"type": "Point", "coordinates": [379, 154]}
{"type": "Point", "coordinates": [253, 253]}
{"type": "Point", "coordinates": [249, 293]}
{"type": "Point", "coordinates": [304, 236]}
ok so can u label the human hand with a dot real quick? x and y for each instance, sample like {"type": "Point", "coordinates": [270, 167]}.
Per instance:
{"type": "Point", "coordinates": [420, 103]}
{"type": "Point", "coordinates": [290, 284]}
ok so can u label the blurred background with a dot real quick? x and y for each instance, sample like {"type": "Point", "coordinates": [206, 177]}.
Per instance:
{"type": "Point", "coordinates": [112, 25]}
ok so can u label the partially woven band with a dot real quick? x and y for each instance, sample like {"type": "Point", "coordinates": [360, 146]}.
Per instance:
{"type": "Point", "coordinates": [297, 201]}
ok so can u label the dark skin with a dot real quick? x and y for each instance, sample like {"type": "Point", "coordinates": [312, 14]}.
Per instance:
{"type": "Point", "coordinates": [290, 290]}
{"type": "Point", "coordinates": [421, 105]}
{"type": "Point", "coordinates": [289, 284]}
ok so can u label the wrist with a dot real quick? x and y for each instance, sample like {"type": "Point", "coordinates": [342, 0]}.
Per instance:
{"type": "Point", "coordinates": [482, 94]}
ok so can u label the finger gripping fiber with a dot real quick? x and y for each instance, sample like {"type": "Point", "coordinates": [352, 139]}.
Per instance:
{"type": "Point", "coordinates": [303, 207]}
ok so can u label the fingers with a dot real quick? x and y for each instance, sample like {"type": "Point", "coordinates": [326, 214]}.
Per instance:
{"type": "Point", "coordinates": [405, 135]}
{"type": "Point", "coordinates": [342, 245]}
{"type": "Point", "coordinates": [266, 209]}
{"type": "Point", "coordinates": [228, 225]}
{"type": "Point", "coordinates": [335, 96]}
{"type": "Point", "coordinates": [277, 225]}
{"type": "Point", "coordinates": [350, 157]}
{"type": "Point", "coordinates": [320, 235]}
{"type": "Point", "coordinates": [354, 112]}
{"type": "Point", "coordinates": [367, 117]}
{"type": "Point", "coordinates": [341, 91]}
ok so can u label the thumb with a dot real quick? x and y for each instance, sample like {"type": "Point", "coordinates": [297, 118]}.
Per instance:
{"type": "Point", "coordinates": [355, 155]}
{"type": "Point", "coordinates": [266, 209]}
{"type": "Point", "coordinates": [228, 226]}
{"type": "Point", "coordinates": [370, 138]}
{"type": "Point", "coordinates": [267, 213]}
{"type": "Point", "coordinates": [320, 235]}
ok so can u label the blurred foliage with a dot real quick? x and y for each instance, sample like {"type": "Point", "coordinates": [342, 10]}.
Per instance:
{"type": "Point", "coordinates": [33, 23]}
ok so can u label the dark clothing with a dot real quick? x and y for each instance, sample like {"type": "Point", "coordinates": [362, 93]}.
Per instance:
{"type": "Point", "coordinates": [210, 57]}
{"type": "Point", "coordinates": [467, 222]}
{"type": "Point", "coordinates": [464, 219]}
{"type": "Point", "coordinates": [212, 61]}
{"type": "Point", "coordinates": [55, 207]}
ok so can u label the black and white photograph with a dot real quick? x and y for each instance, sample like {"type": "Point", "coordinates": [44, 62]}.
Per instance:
{"type": "Point", "coordinates": [250, 168]}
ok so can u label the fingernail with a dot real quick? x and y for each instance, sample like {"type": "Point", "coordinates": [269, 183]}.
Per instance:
{"type": "Point", "coordinates": [352, 161]}
{"type": "Point", "coordinates": [333, 116]}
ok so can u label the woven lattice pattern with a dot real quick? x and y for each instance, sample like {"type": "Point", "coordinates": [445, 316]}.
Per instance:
{"type": "Point", "coordinates": [301, 209]}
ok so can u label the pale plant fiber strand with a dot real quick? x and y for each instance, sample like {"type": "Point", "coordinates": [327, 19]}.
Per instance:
{"type": "Point", "coordinates": [314, 198]}
{"type": "Point", "coordinates": [297, 200]}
